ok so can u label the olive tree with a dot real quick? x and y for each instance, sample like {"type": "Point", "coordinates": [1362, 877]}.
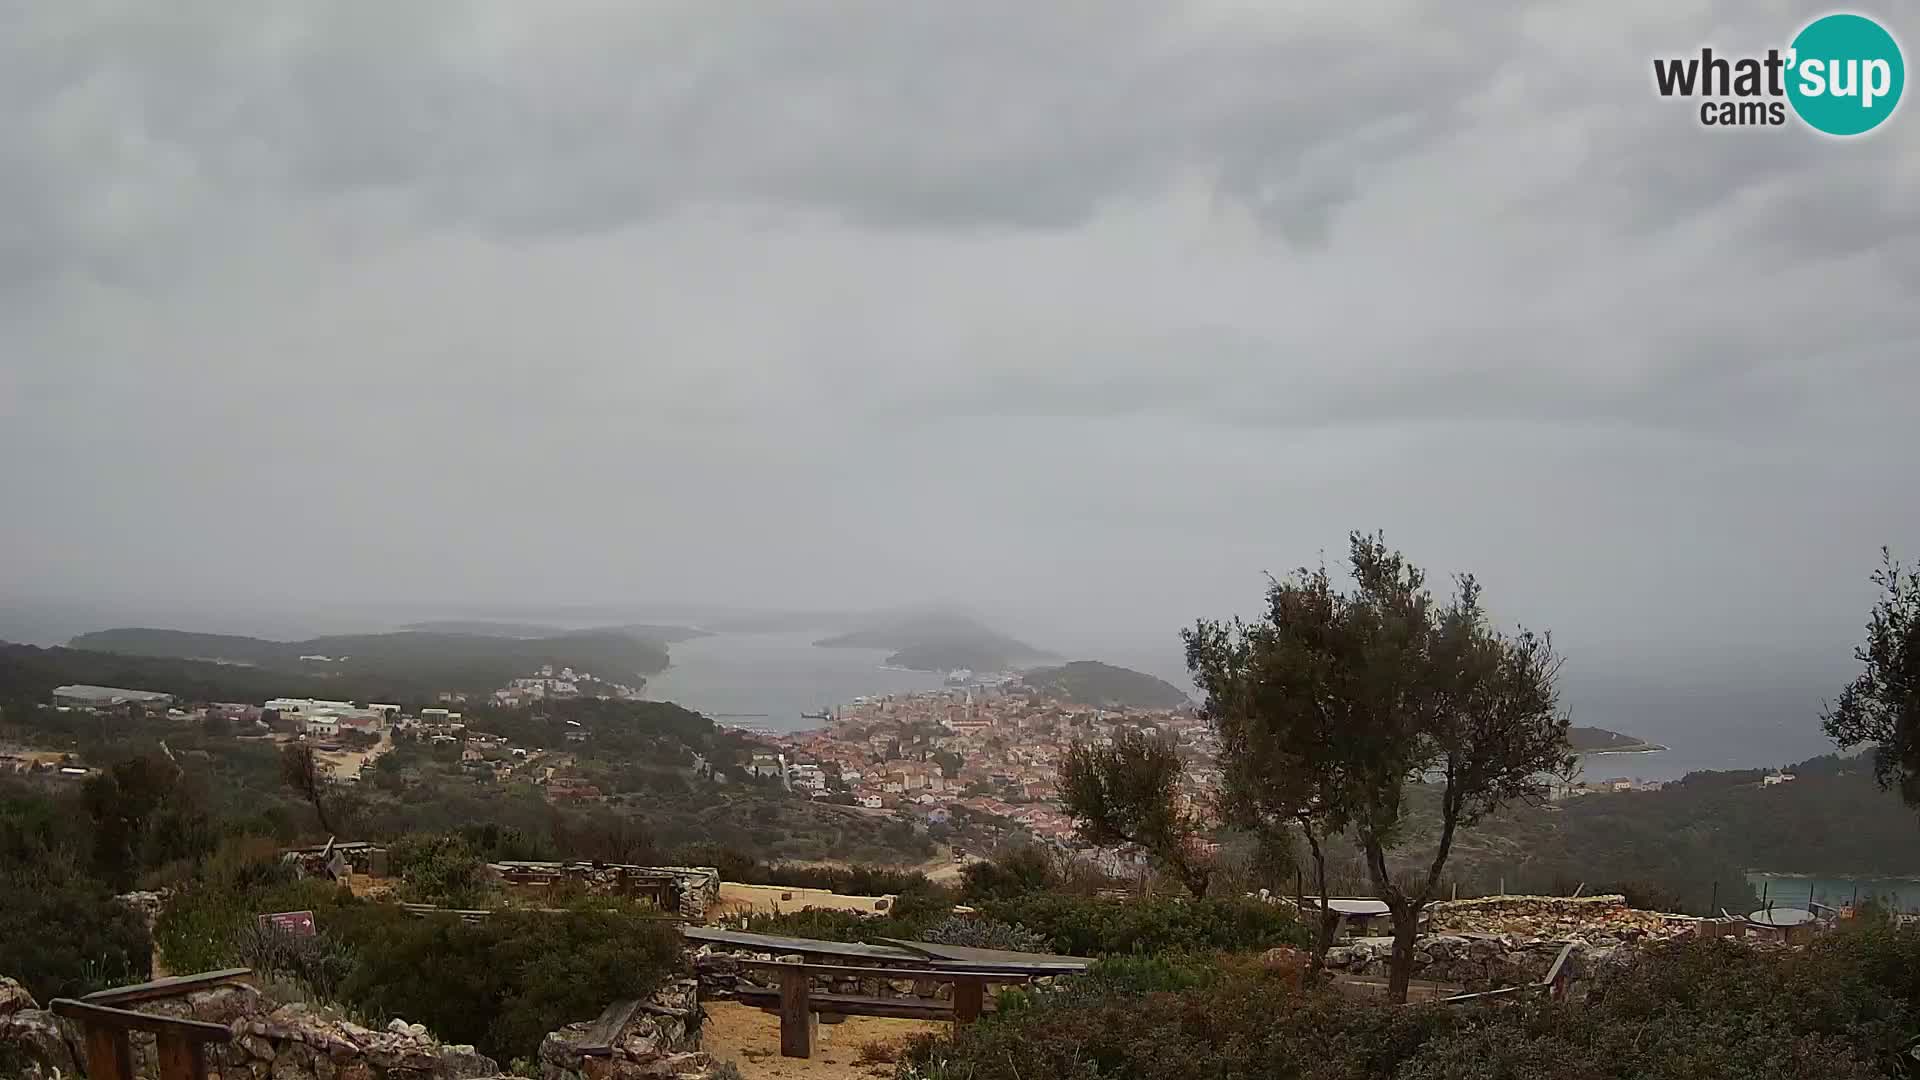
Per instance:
{"type": "Point", "coordinates": [1881, 707]}
{"type": "Point", "coordinates": [1129, 793]}
{"type": "Point", "coordinates": [1339, 700]}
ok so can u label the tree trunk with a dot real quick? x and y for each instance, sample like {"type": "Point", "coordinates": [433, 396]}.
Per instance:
{"type": "Point", "coordinates": [1323, 940]}
{"type": "Point", "coordinates": [1406, 926]}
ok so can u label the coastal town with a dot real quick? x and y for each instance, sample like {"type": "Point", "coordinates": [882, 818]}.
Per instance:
{"type": "Point", "coordinates": [973, 762]}
{"type": "Point", "coordinates": [989, 751]}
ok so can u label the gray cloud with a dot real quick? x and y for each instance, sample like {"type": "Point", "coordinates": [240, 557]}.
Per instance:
{"type": "Point", "coordinates": [1088, 313]}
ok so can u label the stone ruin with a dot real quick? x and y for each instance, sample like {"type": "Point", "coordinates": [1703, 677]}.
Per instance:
{"type": "Point", "coordinates": [688, 891]}
{"type": "Point", "coordinates": [632, 1040]}
{"type": "Point", "coordinates": [1496, 941]}
{"type": "Point", "coordinates": [656, 1039]}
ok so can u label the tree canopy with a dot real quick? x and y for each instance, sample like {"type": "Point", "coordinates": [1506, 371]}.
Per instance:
{"type": "Point", "coordinates": [1339, 699]}
{"type": "Point", "coordinates": [1881, 706]}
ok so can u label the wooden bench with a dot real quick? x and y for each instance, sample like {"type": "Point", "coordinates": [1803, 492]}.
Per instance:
{"type": "Point", "coordinates": [800, 1009]}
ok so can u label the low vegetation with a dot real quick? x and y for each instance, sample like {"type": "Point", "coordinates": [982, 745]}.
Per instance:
{"type": "Point", "coordinates": [1846, 1007]}
{"type": "Point", "coordinates": [500, 983]}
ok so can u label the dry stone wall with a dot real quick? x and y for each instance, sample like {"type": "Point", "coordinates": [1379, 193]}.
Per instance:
{"type": "Point", "coordinates": [660, 1041]}
{"type": "Point", "coordinates": [34, 1043]}
{"type": "Point", "coordinates": [1497, 941]}
{"type": "Point", "coordinates": [302, 1042]}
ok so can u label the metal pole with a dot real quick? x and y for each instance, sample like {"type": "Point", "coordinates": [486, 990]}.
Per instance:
{"type": "Point", "coordinates": [1713, 905]}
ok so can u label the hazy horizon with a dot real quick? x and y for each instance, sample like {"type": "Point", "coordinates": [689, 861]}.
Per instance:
{"type": "Point", "coordinates": [1083, 316]}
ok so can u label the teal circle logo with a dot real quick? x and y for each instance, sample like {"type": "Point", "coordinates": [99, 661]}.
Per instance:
{"type": "Point", "coordinates": [1846, 74]}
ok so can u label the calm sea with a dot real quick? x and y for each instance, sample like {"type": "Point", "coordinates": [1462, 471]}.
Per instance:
{"type": "Point", "coordinates": [1900, 894]}
{"type": "Point", "coordinates": [768, 680]}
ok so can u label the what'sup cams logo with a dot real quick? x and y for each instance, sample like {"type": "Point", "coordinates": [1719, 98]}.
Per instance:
{"type": "Point", "coordinates": [1842, 75]}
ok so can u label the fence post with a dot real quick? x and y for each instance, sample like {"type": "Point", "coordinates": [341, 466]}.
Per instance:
{"type": "Point", "coordinates": [797, 1019]}
{"type": "Point", "coordinates": [969, 998]}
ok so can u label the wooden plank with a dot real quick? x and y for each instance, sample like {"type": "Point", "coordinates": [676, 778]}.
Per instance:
{"type": "Point", "coordinates": [1557, 977]}
{"type": "Point", "coordinates": [108, 1055]}
{"type": "Point", "coordinates": [942, 974]}
{"type": "Point", "coordinates": [166, 988]}
{"type": "Point", "coordinates": [899, 1008]}
{"type": "Point", "coordinates": [969, 994]}
{"type": "Point", "coordinates": [797, 1021]}
{"type": "Point", "coordinates": [180, 1057]}
{"type": "Point", "coordinates": [93, 1016]}
{"type": "Point", "coordinates": [599, 1037]}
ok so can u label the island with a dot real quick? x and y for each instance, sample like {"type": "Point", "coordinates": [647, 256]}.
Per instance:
{"type": "Point", "coordinates": [938, 641]}
{"type": "Point", "coordinates": [1595, 740]}
{"type": "Point", "coordinates": [1090, 682]}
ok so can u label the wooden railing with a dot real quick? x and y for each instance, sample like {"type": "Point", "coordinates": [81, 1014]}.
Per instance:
{"type": "Point", "coordinates": [179, 1045]}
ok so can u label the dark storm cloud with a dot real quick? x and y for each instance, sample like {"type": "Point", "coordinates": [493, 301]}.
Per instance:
{"type": "Point", "coordinates": [1088, 312]}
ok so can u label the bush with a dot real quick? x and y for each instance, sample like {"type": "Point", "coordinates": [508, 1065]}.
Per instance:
{"type": "Point", "coordinates": [1093, 927]}
{"type": "Point", "coordinates": [504, 982]}
{"type": "Point", "coordinates": [317, 965]}
{"type": "Point", "coordinates": [1021, 870]}
{"type": "Point", "coordinates": [203, 925]}
{"type": "Point", "coordinates": [67, 936]}
{"type": "Point", "coordinates": [1843, 1007]}
{"type": "Point", "coordinates": [439, 869]}
{"type": "Point", "coordinates": [984, 934]}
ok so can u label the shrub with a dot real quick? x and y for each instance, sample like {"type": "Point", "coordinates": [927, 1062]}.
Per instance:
{"type": "Point", "coordinates": [439, 869]}
{"type": "Point", "coordinates": [984, 934]}
{"type": "Point", "coordinates": [317, 965]}
{"type": "Point", "coordinates": [1020, 870]}
{"type": "Point", "coordinates": [63, 936]}
{"type": "Point", "coordinates": [504, 982]}
{"type": "Point", "coordinates": [1093, 927]}
{"type": "Point", "coordinates": [1844, 1007]}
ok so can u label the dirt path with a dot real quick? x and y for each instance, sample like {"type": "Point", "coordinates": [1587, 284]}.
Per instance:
{"type": "Point", "coordinates": [751, 1039]}
{"type": "Point", "coordinates": [349, 764]}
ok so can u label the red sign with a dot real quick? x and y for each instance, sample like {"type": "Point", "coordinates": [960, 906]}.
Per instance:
{"type": "Point", "coordinates": [296, 923]}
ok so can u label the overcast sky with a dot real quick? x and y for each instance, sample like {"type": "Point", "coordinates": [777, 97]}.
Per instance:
{"type": "Point", "coordinates": [1084, 314]}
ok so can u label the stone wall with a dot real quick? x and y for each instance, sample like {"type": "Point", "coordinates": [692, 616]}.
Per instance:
{"type": "Point", "coordinates": [34, 1043]}
{"type": "Point", "coordinates": [303, 1042]}
{"type": "Point", "coordinates": [1558, 917]}
{"type": "Point", "coordinates": [1494, 941]}
{"type": "Point", "coordinates": [1471, 961]}
{"type": "Point", "coordinates": [660, 1040]}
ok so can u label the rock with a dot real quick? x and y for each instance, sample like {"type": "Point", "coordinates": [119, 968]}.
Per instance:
{"type": "Point", "coordinates": [48, 1043]}
{"type": "Point", "coordinates": [14, 997]}
{"type": "Point", "coordinates": [399, 1026]}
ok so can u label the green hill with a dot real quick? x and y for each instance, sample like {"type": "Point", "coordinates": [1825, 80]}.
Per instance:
{"type": "Point", "coordinates": [1593, 740]}
{"type": "Point", "coordinates": [1090, 682]}
{"type": "Point", "coordinates": [442, 661]}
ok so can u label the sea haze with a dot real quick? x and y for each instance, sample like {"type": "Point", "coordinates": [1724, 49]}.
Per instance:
{"type": "Point", "coordinates": [769, 679]}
